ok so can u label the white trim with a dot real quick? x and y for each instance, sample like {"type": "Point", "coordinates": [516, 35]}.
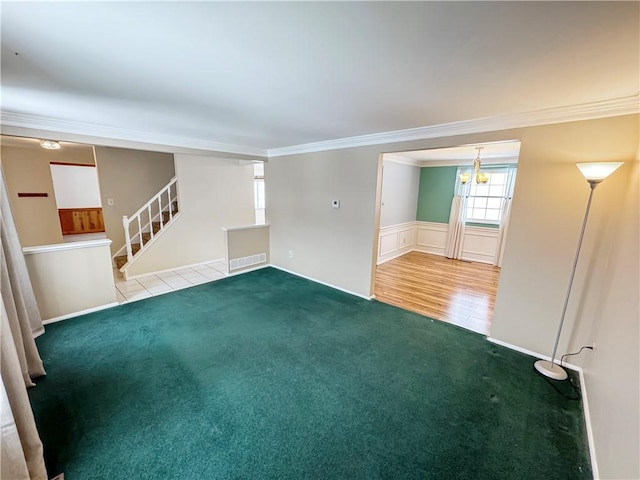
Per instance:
{"type": "Point", "coordinates": [366, 297]}
{"type": "Point", "coordinates": [245, 227]}
{"type": "Point", "coordinates": [249, 260]}
{"type": "Point", "coordinates": [583, 391]}
{"type": "Point", "coordinates": [56, 247]}
{"type": "Point", "coordinates": [172, 269]}
{"type": "Point", "coordinates": [81, 312]}
{"type": "Point", "coordinates": [400, 226]}
{"type": "Point", "coordinates": [147, 244]}
{"type": "Point", "coordinates": [481, 231]}
{"type": "Point", "coordinates": [457, 162]}
{"type": "Point", "coordinates": [398, 158]}
{"type": "Point", "coordinates": [531, 353]}
{"type": "Point", "coordinates": [571, 113]}
{"type": "Point", "coordinates": [384, 259]}
{"type": "Point", "coordinates": [259, 267]}
{"type": "Point", "coordinates": [21, 120]}
{"type": "Point", "coordinates": [587, 421]}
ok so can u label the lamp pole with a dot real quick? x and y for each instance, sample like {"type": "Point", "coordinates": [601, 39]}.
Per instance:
{"type": "Point", "coordinates": [595, 173]}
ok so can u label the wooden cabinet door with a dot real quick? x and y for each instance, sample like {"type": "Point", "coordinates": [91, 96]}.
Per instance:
{"type": "Point", "coordinates": [81, 220]}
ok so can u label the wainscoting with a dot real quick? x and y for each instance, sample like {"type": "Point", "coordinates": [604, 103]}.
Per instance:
{"type": "Point", "coordinates": [479, 245]}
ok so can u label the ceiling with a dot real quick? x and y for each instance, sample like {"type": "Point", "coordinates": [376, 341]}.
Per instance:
{"type": "Point", "coordinates": [267, 75]}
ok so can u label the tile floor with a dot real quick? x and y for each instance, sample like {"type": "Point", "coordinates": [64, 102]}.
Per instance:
{"type": "Point", "coordinates": [151, 285]}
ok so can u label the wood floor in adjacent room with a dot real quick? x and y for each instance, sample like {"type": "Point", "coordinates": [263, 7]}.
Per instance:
{"type": "Point", "coordinates": [454, 291]}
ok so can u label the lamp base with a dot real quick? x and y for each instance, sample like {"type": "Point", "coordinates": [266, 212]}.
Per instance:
{"type": "Point", "coordinates": [552, 371]}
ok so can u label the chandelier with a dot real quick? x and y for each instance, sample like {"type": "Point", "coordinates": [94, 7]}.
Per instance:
{"type": "Point", "coordinates": [481, 177]}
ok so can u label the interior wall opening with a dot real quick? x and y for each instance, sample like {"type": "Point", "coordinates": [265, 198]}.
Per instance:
{"type": "Point", "coordinates": [443, 226]}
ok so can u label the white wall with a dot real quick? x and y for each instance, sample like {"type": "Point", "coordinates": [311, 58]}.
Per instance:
{"type": "Point", "coordinates": [213, 193]}
{"type": "Point", "coordinates": [612, 370]}
{"type": "Point", "coordinates": [71, 277]}
{"type": "Point", "coordinates": [400, 185]}
{"type": "Point", "coordinates": [338, 247]}
{"type": "Point", "coordinates": [76, 187]}
{"type": "Point", "coordinates": [331, 245]}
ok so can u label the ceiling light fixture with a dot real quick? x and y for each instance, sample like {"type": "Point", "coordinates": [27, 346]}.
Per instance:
{"type": "Point", "coordinates": [481, 177]}
{"type": "Point", "coordinates": [50, 144]}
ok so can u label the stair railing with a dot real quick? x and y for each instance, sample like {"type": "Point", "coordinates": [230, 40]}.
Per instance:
{"type": "Point", "coordinates": [170, 191]}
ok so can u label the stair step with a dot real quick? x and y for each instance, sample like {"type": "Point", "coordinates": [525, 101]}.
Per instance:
{"type": "Point", "coordinates": [120, 261]}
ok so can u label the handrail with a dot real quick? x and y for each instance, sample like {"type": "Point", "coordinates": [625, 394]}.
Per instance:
{"type": "Point", "coordinates": [155, 197]}
{"type": "Point", "coordinates": [136, 217]}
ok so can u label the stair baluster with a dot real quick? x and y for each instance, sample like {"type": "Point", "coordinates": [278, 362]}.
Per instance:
{"type": "Point", "coordinates": [131, 249]}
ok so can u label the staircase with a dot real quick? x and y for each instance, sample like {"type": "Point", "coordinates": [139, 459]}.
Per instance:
{"type": "Point", "coordinates": [143, 227]}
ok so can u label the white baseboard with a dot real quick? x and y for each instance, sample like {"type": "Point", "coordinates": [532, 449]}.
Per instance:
{"type": "Point", "coordinates": [583, 389]}
{"type": "Point", "coordinates": [140, 275]}
{"type": "Point", "coordinates": [587, 421]}
{"type": "Point", "coordinates": [386, 259]}
{"type": "Point", "coordinates": [366, 297]}
{"type": "Point", "coordinates": [81, 312]}
{"type": "Point", "coordinates": [247, 270]}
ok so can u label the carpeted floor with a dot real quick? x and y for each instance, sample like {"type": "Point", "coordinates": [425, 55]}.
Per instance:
{"type": "Point", "coordinates": [266, 375]}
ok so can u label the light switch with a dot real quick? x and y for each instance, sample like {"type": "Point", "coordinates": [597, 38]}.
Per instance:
{"type": "Point", "coordinates": [335, 204]}
{"type": "Point", "coordinates": [109, 201]}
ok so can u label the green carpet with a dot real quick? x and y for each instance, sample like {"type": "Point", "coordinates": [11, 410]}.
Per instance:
{"type": "Point", "coordinates": [267, 375]}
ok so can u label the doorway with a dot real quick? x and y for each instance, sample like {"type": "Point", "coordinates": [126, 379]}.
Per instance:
{"type": "Point", "coordinates": [443, 229]}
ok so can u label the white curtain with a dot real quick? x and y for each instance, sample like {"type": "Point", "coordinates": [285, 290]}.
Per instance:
{"type": "Point", "coordinates": [20, 446]}
{"type": "Point", "coordinates": [504, 218]}
{"type": "Point", "coordinates": [502, 233]}
{"type": "Point", "coordinates": [455, 232]}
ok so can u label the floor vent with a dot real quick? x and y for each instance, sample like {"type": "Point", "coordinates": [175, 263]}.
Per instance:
{"type": "Point", "coordinates": [243, 262]}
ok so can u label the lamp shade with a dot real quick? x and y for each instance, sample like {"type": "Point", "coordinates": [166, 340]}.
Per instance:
{"type": "Point", "coordinates": [598, 171]}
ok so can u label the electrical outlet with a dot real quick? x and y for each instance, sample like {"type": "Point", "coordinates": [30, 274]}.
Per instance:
{"type": "Point", "coordinates": [290, 253]}
{"type": "Point", "coordinates": [109, 201]}
{"type": "Point", "coordinates": [593, 345]}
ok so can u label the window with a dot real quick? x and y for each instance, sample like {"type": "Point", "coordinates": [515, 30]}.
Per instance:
{"type": "Point", "coordinates": [486, 201]}
{"type": "Point", "coordinates": [258, 192]}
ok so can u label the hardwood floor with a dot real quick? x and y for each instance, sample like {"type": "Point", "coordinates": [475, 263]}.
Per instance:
{"type": "Point", "coordinates": [462, 293]}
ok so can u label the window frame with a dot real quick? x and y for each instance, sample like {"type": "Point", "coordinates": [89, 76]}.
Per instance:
{"type": "Point", "coordinates": [467, 189]}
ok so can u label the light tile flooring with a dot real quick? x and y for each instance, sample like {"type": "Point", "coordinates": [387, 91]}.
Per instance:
{"type": "Point", "coordinates": [152, 285]}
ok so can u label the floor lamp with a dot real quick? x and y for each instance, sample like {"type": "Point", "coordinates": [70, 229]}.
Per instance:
{"type": "Point", "coordinates": [595, 173]}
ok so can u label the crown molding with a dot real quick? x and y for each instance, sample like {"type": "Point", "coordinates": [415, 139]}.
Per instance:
{"type": "Point", "coordinates": [398, 158]}
{"type": "Point", "coordinates": [573, 113]}
{"type": "Point", "coordinates": [588, 111]}
{"type": "Point", "coordinates": [20, 120]}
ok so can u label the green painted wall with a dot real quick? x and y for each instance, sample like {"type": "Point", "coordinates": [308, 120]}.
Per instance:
{"type": "Point", "coordinates": [437, 186]}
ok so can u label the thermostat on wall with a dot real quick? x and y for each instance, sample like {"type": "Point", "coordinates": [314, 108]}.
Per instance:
{"type": "Point", "coordinates": [335, 204]}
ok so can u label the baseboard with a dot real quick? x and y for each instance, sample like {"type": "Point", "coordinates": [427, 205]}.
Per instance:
{"type": "Point", "coordinates": [366, 297]}
{"type": "Point", "coordinates": [587, 421]}
{"type": "Point", "coordinates": [140, 275]}
{"type": "Point", "coordinates": [81, 312]}
{"type": "Point", "coordinates": [247, 270]}
{"type": "Point", "coordinates": [583, 389]}
{"type": "Point", "coordinates": [394, 256]}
